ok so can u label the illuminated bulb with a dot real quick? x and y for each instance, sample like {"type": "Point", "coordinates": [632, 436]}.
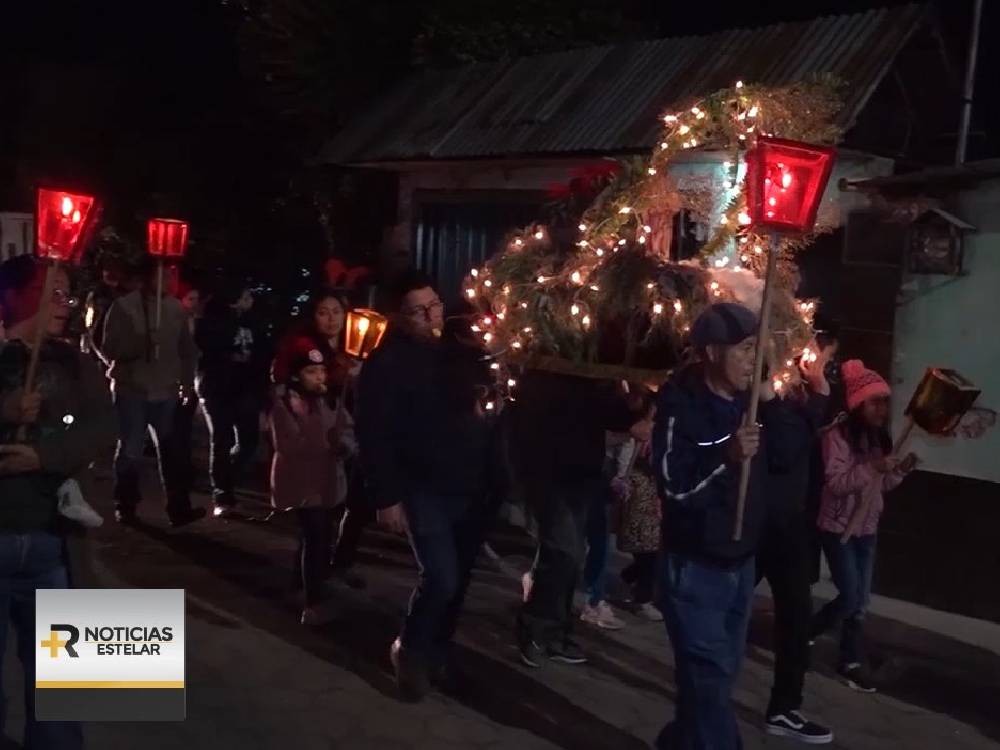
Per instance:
{"type": "Point", "coordinates": [650, 285]}
{"type": "Point", "coordinates": [487, 337]}
{"type": "Point", "coordinates": [684, 129]}
{"type": "Point", "coordinates": [695, 110]}
{"type": "Point", "coordinates": [728, 184]}
{"type": "Point", "coordinates": [527, 329]}
{"type": "Point", "coordinates": [651, 171]}
{"type": "Point", "coordinates": [582, 227]}
{"type": "Point", "coordinates": [586, 321]}
{"type": "Point", "coordinates": [789, 363]}
{"type": "Point", "coordinates": [487, 283]}
{"type": "Point", "coordinates": [678, 306]}
{"type": "Point", "coordinates": [772, 201]}
{"type": "Point", "coordinates": [686, 145]}
{"type": "Point", "coordinates": [67, 205]}
{"type": "Point", "coordinates": [805, 353]}
{"type": "Point", "coordinates": [727, 164]}
{"type": "Point", "coordinates": [511, 382]}
{"type": "Point", "coordinates": [539, 235]}
{"type": "Point", "coordinates": [624, 210]}
{"type": "Point", "coordinates": [582, 243]}
{"type": "Point", "coordinates": [474, 272]}
{"type": "Point", "coordinates": [700, 115]}
{"type": "Point", "coordinates": [500, 316]}
{"type": "Point", "coordinates": [745, 258]}
{"type": "Point", "coordinates": [723, 221]}
{"type": "Point", "coordinates": [487, 321]}
{"type": "Point", "coordinates": [519, 242]}
{"type": "Point", "coordinates": [758, 250]}
{"type": "Point", "coordinates": [777, 384]}
{"type": "Point", "coordinates": [490, 406]}
{"type": "Point", "coordinates": [744, 240]}
{"type": "Point", "coordinates": [475, 329]}
{"type": "Point", "coordinates": [714, 285]}
{"type": "Point", "coordinates": [524, 305]}
{"type": "Point", "coordinates": [753, 111]}
{"type": "Point", "coordinates": [739, 84]}
{"type": "Point", "coordinates": [77, 216]}
{"type": "Point", "coordinates": [576, 278]}
{"type": "Point", "coordinates": [670, 118]}
{"type": "Point", "coordinates": [506, 288]}
{"type": "Point", "coordinates": [647, 229]}
{"type": "Point", "coordinates": [541, 280]}
{"type": "Point", "coordinates": [717, 293]}
{"type": "Point", "coordinates": [600, 252]}
{"type": "Point", "coordinates": [657, 308]}
{"type": "Point", "coordinates": [786, 179]}
{"type": "Point", "coordinates": [595, 288]}
{"type": "Point", "coordinates": [495, 366]}
{"type": "Point", "coordinates": [642, 240]}
{"type": "Point", "coordinates": [622, 242]}
{"type": "Point", "coordinates": [742, 137]}
{"type": "Point", "coordinates": [664, 146]}
{"type": "Point", "coordinates": [813, 356]}
{"type": "Point", "coordinates": [770, 214]}
{"type": "Point", "coordinates": [744, 218]}
{"type": "Point", "coordinates": [470, 293]}
{"type": "Point", "coordinates": [722, 262]}
{"type": "Point", "coordinates": [574, 310]}
{"type": "Point", "coordinates": [693, 143]}
{"type": "Point", "coordinates": [686, 328]}
{"type": "Point", "coordinates": [516, 345]}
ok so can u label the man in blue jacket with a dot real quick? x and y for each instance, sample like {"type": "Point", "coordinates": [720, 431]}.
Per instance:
{"type": "Point", "coordinates": [700, 441]}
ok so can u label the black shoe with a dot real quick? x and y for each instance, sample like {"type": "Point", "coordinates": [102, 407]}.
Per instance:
{"type": "Point", "coordinates": [189, 516]}
{"type": "Point", "coordinates": [855, 678]}
{"type": "Point", "coordinates": [125, 516]}
{"type": "Point", "coordinates": [795, 725]}
{"type": "Point", "coordinates": [566, 652]}
{"type": "Point", "coordinates": [224, 511]}
{"type": "Point", "coordinates": [532, 655]}
{"type": "Point", "coordinates": [412, 677]}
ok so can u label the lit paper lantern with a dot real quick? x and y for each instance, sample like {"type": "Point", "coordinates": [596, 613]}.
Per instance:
{"type": "Point", "coordinates": [365, 329]}
{"type": "Point", "coordinates": [167, 238]}
{"type": "Point", "coordinates": [61, 222]}
{"type": "Point", "coordinates": [941, 400]}
{"type": "Point", "coordinates": [785, 183]}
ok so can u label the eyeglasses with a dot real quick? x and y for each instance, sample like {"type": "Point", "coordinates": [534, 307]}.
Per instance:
{"type": "Point", "coordinates": [62, 297]}
{"type": "Point", "coordinates": [424, 311]}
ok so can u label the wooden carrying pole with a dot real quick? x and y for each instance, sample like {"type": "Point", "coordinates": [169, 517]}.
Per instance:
{"type": "Point", "coordinates": [41, 328]}
{"type": "Point", "coordinates": [763, 334]}
{"type": "Point", "coordinates": [159, 306]}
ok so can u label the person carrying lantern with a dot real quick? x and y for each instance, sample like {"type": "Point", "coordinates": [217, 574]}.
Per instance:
{"type": "Point", "coordinates": [429, 452]}
{"type": "Point", "coordinates": [700, 442]}
{"type": "Point", "coordinates": [152, 373]}
{"type": "Point", "coordinates": [311, 441]}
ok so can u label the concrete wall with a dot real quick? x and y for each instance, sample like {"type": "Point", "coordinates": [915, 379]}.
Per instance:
{"type": "Point", "coordinates": [17, 234]}
{"type": "Point", "coordinates": [944, 321]}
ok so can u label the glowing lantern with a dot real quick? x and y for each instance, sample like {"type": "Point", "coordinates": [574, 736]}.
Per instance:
{"type": "Point", "coordinates": [785, 183]}
{"type": "Point", "coordinates": [167, 238]}
{"type": "Point", "coordinates": [61, 222]}
{"type": "Point", "coordinates": [365, 329]}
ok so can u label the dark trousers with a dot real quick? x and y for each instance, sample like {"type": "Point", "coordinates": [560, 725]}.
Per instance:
{"type": "Point", "coordinates": [851, 566]}
{"type": "Point", "coordinates": [358, 514]}
{"type": "Point", "coordinates": [706, 610]}
{"type": "Point", "coordinates": [313, 556]}
{"type": "Point", "coordinates": [783, 559]}
{"type": "Point", "coordinates": [28, 562]}
{"type": "Point", "coordinates": [136, 418]}
{"type": "Point", "coordinates": [595, 565]}
{"type": "Point", "coordinates": [640, 574]}
{"type": "Point", "coordinates": [234, 424]}
{"type": "Point", "coordinates": [561, 512]}
{"type": "Point", "coordinates": [181, 442]}
{"type": "Point", "coordinates": [445, 534]}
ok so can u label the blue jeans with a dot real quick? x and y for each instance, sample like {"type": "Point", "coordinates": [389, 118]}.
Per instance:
{"type": "Point", "coordinates": [445, 534]}
{"type": "Point", "coordinates": [595, 568]}
{"type": "Point", "coordinates": [851, 566]}
{"type": "Point", "coordinates": [31, 561]}
{"type": "Point", "coordinates": [707, 611]}
{"type": "Point", "coordinates": [136, 416]}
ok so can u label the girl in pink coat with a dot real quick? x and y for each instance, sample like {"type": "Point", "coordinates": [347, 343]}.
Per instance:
{"type": "Point", "coordinates": [311, 440]}
{"type": "Point", "coordinates": [859, 467]}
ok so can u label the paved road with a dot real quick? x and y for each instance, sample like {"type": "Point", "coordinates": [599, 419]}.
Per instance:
{"type": "Point", "coordinates": [257, 679]}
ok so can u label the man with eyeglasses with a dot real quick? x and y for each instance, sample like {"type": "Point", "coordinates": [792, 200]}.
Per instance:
{"type": "Point", "coordinates": [152, 370]}
{"type": "Point", "coordinates": [46, 437]}
{"type": "Point", "coordinates": [428, 452]}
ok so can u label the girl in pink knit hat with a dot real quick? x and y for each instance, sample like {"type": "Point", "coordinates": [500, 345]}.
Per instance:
{"type": "Point", "coordinates": [859, 467]}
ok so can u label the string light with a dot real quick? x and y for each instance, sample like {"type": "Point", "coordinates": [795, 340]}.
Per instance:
{"type": "Point", "coordinates": [600, 252]}
{"type": "Point", "coordinates": [511, 382]}
{"type": "Point", "coordinates": [539, 235]}
{"type": "Point", "coordinates": [625, 210]}
{"type": "Point", "coordinates": [642, 239]}
{"type": "Point", "coordinates": [495, 366]}
{"type": "Point", "coordinates": [474, 272]}
{"type": "Point", "coordinates": [582, 227]}
{"type": "Point", "coordinates": [519, 242]}
{"type": "Point", "coordinates": [487, 283]}
{"type": "Point", "coordinates": [475, 328]}
{"type": "Point", "coordinates": [586, 321]}
{"type": "Point", "coordinates": [745, 258]}
{"type": "Point", "coordinates": [664, 146]}
{"type": "Point", "coordinates": [657, 308]}
{"type": "Point", "coordinates": [647, 229]}
{"type": "Point", "coordinates": [678, 307]}
{"type": "Point", "coordinates": [470, 293]}
{"type": "Point", "coordinates": [576, 278]}
{"type": "Point", "coordinates": [670, 118]}
{"type": "Point", "coordinates": [526, 329]}
{"type": "Point", "coordinates": [651, 171]}
{"type": "Point", "coordinates": [487, 321]}
{"type": "Point", "coordinates": [684, 129]}
{"type": "Point", "coordinates": [595, 288]}
{"type": "Point", "coordinates": [744, 218]}
{"type": "Point", "coordinates": [650, 285]}
{"type": "Point", "coordinates": [541, 280]}
{"type": "Point", "coordinates": [574, 309]}
{"type": "Point", "coordinates": [516, 345]}
{"type": "Point", "coordinates": [487, 337]}
{"type": "Point", "coordinates": [622, 241]}
{"type": "Point", "coordinates": [753, 111]}
{"type": "Point", "coordinates": [739, 84]}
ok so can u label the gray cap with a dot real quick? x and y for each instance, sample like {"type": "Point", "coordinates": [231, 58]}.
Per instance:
{"type": "Point", "coordinates": [724, 324]}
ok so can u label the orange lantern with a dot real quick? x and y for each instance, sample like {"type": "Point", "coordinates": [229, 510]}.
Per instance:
{"type": "Point", "coordinates": [365, 329]}
{"type": "Point", "coordinates": [61, 221]}
{"type": "Point", "coordinates": [167, 238]}
{"type": "Point", "coordinates": [785, 183]}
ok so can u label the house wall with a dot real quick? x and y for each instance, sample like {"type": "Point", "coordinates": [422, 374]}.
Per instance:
{"type": "Point", "coordinates": [945, 321]}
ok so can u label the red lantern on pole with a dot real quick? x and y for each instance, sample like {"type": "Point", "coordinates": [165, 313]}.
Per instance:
{"type": "Point", "coordinates": [61, 220]}
{"type": "Point", "coordinates": [784, 186]}
{"type": "Point", "coordinates": [785, 183]}
{"type": "Point", "coordinates": [167, 238]}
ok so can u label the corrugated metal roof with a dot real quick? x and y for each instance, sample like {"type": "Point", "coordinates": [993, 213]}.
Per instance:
{"type": "Point", "coordinates": [607, 99]}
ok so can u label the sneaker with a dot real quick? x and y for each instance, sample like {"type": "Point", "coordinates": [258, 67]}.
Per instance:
{"type": "Point", "coordinates": [649, 611]}
{"type": "Point", "coordinates": [225, 511]}
{"type": "Point", "coordinates": [412, 677]}
{"type": "Point", "coordinates": [855, 678]}
{"type": "Point", "coordinates": [189, 516]}
{"type": "Point", "coordinates": [602, 616]}
{"type": "Point", "coordinates": [126, 517]}
{"type": "Point", "coordinates": [532, 655]}
{"type": "Point", "coordinates": [527, 581]}
{"type": "Point", "coordinates": [795, 725]}
{"type": "Point", "coordinates": [567, 652]}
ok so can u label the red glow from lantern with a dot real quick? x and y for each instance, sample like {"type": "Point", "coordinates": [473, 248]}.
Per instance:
{"type": "Point", "coordinates": [167, 238]}
{"type": "Point", "coordinates": [785, 183]}
{"type": "Point", "coordinates": [61, 220]}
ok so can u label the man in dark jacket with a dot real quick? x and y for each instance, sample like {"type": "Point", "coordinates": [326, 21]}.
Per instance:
{"type": "Point", "coordinates": [784, 555]}
{"type": "Point", "coordinates": [428, 449]}
{"type": "Point", "coordinates": [558, 429]}
{"type": "Point", "coordinates": [700, 441]}
{"type": "Point", "coordinates": [65, 423]}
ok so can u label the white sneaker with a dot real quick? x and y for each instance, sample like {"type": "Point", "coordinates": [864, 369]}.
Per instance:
{"type": "Point", "coordinates": [648, 611]}
{"type": "Point", "coordinates": [602, 616]}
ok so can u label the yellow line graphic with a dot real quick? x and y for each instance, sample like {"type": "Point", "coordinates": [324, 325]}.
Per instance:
{"type": "Point", "coordinates": [108, 684]}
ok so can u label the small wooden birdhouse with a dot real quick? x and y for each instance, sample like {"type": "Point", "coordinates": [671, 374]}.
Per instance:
{"type": "Point", "coordinates": [936, 243]}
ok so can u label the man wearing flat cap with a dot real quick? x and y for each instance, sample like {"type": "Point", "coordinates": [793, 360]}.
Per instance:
{"type": "Point", "coordinates": [699, 444]}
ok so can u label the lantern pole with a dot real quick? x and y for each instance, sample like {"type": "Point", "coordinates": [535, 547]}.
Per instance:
{"type": "Point", "coordinates": [763, 335]}
{"type": "Point", "coordinates": [41, 326]}
{"type": "Point", "coordinates": [159, 306]}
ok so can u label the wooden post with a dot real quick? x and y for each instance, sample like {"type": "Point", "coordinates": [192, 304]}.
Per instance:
{"type": "Point", "coordinates": [41, 329]}
{"type": "Point", "coordinates": [159, 306]}
{"type": "Point", "coordinates": [763, 334]}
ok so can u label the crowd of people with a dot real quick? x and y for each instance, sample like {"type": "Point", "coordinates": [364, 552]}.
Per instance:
{"type": "Point", "coordinates": [412, 437]}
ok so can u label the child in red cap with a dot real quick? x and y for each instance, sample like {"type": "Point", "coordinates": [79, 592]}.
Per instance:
{"type": "Point", "coordinates": [307, 474]}
{"type": "Point", "coordinates": [859, 467]}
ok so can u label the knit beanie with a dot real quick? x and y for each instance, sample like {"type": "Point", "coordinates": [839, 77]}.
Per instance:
{"type": "Point", "coordinates": [861, 384]}
{"type": "Point", "coordinates": [304, 353]}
